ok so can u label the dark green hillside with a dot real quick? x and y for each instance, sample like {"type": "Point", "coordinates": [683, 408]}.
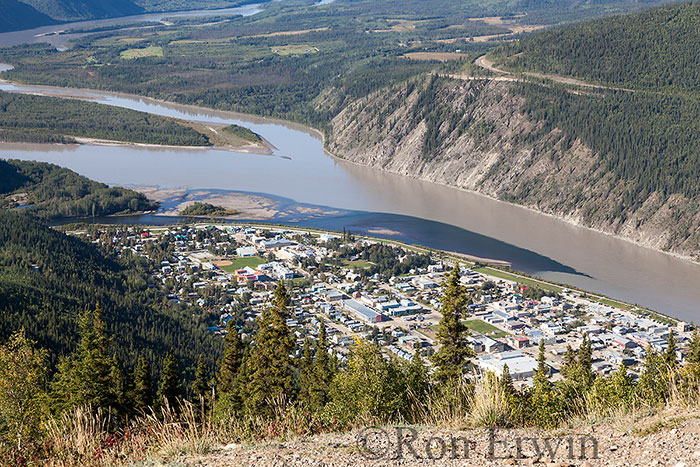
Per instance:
{"type": "Point", "coordinates": [47, 278]}
{"type": "Point", "coordinates": [15, 15]}
{"type": "Point", "coordinates": [50, 191]}
{"type": "Point", "coordinates": [649, 143]}
{"type": "Point", "coordinates": [654, 49]}
{"type": "Point", "coordinates": [73, 10]}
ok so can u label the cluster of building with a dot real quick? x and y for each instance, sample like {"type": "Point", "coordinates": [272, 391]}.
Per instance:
{"type": "Point", "coordinates": [401, 314]}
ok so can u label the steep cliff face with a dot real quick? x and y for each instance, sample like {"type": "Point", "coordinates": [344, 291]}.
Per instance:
{"type": "Point", "coordinates": [473, 134]}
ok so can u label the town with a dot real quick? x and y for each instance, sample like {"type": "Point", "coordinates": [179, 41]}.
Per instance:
{"type": "Point", "coordinates": [386, 292]}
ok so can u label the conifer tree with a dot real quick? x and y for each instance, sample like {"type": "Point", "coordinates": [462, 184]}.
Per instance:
{"type": "Point", "coordinates": [417, 380]}
{"type": "Point", "coordinates": [231, 363]}
{"type": "Point", "coordinates": [90, 376]}
{"type": "Point", "coordinates": [143, 385]}
{"type": "Point", "coordinates": [306, 375]}
{"type": "Point", "coordinates": [623, 386]}
{"type": "Point", "coordinates": [453, 357]}
{"type": "Point", "coordinates": [544, 410]}
{"type": "Point", "coordinates": [652, 386]}
{"type": "Point", "coordinates": [568, 369]}
{"type": "Point", "coordinates": [585, 363]}
{"type": "Point", "coordinates": [200, 387]}
{"type": "Point", "coordinates": [170, 388]}
{"type": "Point", "coordinates": [670, 353]}
{"type": "Point", "coordinates": [324, 369]}
{"type": "Point", "coordinates": [271, 371]}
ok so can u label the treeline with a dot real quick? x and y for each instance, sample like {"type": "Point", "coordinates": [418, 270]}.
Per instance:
{"type": "Point", "coordinates": [385, 260]}
{"type": "Point", "coordinates": [243, 133]}
{"type": "Point", "coordinates": [53, 119]}
{"type": "Point", "coordinates": [206, 209]}
{"type": "Point", "coordinates": [653, 49]}
{"type": "Point", "coordinates": [51, 192]}
{"type": "Point", "coordinates": [271, 385]}
{"type": "Point", "coordinates": [47, 279]}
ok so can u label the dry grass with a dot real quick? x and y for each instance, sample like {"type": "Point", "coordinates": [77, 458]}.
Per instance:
{"type": "Point", "coordinates": [83, 438]}
{"type": "Point", "coordinates": [489, 406]}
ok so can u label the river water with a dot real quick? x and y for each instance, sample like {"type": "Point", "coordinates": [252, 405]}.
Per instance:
{"type": "Point", "coordinates": [422, 212]}
{"type": "Point", "coordinates": [50, 33]}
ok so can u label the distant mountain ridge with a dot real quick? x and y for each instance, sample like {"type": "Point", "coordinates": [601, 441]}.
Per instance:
{"type": "Point", "coordinates": [15, 15]}
{"type": "Point", "coordinates": [75, 10]}
{"type": "Point", "coordinates": [25, 14]}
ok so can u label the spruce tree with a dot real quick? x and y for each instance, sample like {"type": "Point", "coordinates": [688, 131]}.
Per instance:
{"type": "Point", "coordinates": [200, 387]}
{"type": "Point", "coordinates": [143, 385]}
{"type": "Point", "coordinates": [231, 363]}
{"type": "Point", "coordinates": [325, 368]}
{"type": "Point", "coordinates": [670, 353]}
{"type": "Point", "coordinates": [585, 363]}
{"type": "Point", "coordinates": [170, 388]}
{"type": "Point", "coordinates": [89, 377]}
{"type": "Point", "coordinates": [568, 369]}
{"type": "Point", "coordinates": [543, 408]}
{"type": "Point", "coordinates": [271, 370]}
{"type": "Point", "coordinates": [652, 386]}
{"type": "Point", "coordinates": [306, 375]}
{"type": "Point", "coordinates": [453, 357]}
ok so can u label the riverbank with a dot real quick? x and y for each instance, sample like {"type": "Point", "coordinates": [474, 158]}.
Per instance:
{"type": "Point", "coordinates": [427, 213]}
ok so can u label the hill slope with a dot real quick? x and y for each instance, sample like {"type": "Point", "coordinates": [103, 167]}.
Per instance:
{"type": "Point", "coordinates": [619, 164]}
{"type": "Point", "coordinates": [74, 10]}
{"type": "Point", "coordinates": [48, 191]}
{"type": "Point", "coordinates": [27, 14]}
{"type": "Point", "coordinates": [48, 278]}
{"type": "Point", "coordinates": [648, 50]}
{"type": "Point", "coordinates": [15, 15]}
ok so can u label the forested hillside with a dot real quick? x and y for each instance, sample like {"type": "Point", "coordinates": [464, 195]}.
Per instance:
{"type": "Point", "coordinates": [618, 162]}
{"type": "Point", "coordinates": [48, 191]}
{"type": "Point", "coordinates": [16, 15]}
{"type": "Point", "coordinates": [654, 49]}
{"type": "Point", "coordinates": [75, 10]}
{"type": "Point", "coordinates": [48, 278]}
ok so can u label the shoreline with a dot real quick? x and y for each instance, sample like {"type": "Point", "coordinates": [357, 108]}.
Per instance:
{"type": "Point", "coordinates": [251, 118]}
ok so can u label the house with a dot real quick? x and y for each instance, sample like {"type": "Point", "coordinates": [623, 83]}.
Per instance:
{"type": "Point", "coordinates": [520, 342]}
{"type": "Point", "coordinates": [246, 251]}
{"type": "Point", "coordinates": [331, 295]}
{"type": "Point", "coordinates": [362, 312]}
{"type": "Point", "coordinates": [519, 366]}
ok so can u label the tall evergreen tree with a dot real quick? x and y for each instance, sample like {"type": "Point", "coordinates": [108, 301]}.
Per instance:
{"type": "Point", "coordinates": [652, 386]}
{"type": "Point", "coordinates": [544, 407]}
{"type": "Point", "coordinates": [170, 387]}
{"type": "Point", "coordinates": [306, 375]}
{"type": "Point", "coordinates": [271, 370]}
{"type": "Point", "coordinates": [453, 357]}
{"type": "Point", "coordinates": [325, 368]}
{"type": "Point", "coordinates": [200, 387]}
{"type": "Point", "coordinates": [231, 363]}
{"type": "Point", "coordinates": [670, 353]}
{"type": "Point", "coordinates": [90, 376]}
{"type": "Point", "coordinates": [143, 385]}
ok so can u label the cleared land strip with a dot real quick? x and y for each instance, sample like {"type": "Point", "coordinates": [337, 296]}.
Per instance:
{"type": "Point", "coordinates": [486, 64]}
